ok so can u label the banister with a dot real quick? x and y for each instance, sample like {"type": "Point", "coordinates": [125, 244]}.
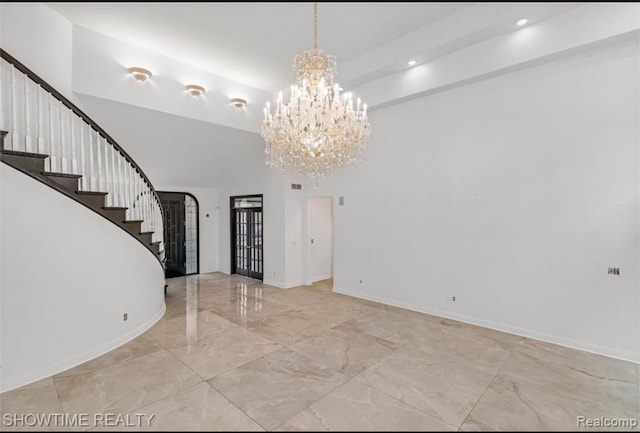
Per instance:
{"type": "Point", "coordinates": [78, 112]}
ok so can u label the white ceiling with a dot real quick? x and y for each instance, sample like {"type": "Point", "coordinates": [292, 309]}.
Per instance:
{"type": "Point", "coordinates": [182, 141]}
{"type": "Point", "coordinates": [254, 43]}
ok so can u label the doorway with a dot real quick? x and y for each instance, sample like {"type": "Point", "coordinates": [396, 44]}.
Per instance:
{"type": "Point", "coordinates": [246, 236]}
{"type": "Point", "coordinates": [181, 228]}
{"type": "Point", "coordinates": [320, 223]}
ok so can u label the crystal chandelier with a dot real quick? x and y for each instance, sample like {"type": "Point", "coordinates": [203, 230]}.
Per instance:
{"type": "Point", "coordinates": [318, 130]}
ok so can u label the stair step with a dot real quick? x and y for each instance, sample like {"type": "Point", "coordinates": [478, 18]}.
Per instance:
{"type": "Point", "coordinates": [93, 199]}
{"type": "Point", "coordinates": [25, 161]}
{"type": "Point", "coordinates": [155, 247]}
{"type": "Point", "coordinates": [63, 175]}
{"type": "Point", "coordinates": [21, 153]}
{"type": "Point", "coordinates": [132, 226]}
{"type": "Point", "coordinates": [146, 238]}
{"type": "Point", "coordinates": [65, 180]}
{"type": "Point", "coordinates": [115, 213]}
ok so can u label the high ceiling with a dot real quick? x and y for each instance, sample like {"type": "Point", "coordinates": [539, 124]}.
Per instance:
{"type": "Point", "coordinates": [255, 43]}
{"type": "Point", "coordinates": [246, 50]}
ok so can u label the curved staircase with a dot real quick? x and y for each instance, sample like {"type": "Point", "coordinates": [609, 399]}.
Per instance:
{"type": "Point", "coordinates": [47, 137]}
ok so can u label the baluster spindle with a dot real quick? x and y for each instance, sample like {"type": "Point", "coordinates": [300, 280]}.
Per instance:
{"type": "Point", "coordinates": [3, 127]}
{"type": "Point", "coordinates": [143, 195]}
{"type": "Point", "coordinates": [92, 170]}
{"type": "Point", "coordinates": [107, 173]}
{"type": "Point", "coordinates": [127, 189]}
{"type": "Point", "coordinates": [132, 187]}
{"type": "Point", "coordinates": [146, 209]}
{"type": "Point", "coordinates": [121, 186]}
{"type": "Point", "coordinates": [134, 184]}
{"type": "Point", "coordinates": [53, 156]}
{"type": "Point", "coordinates": [83, 170]}
{"type": "Point", "coordinates": [114, 178]}
{"type": "Point", "coordinates": [14, 114]}
{"type": "Point", "coordinates": [63, 143]}
{"type": "Point", "coordinates": [142, 198]}
{"type": "Point", "coordinates": [99, 168]}
{"type": "Point", "coordinates": [72, 138]}
{"type": "Point", "coordinates": [28, 144]}
{"type": "Point", "coordinates": [153, 213]}
{"type": "Point", "coordinates": [40, 140]}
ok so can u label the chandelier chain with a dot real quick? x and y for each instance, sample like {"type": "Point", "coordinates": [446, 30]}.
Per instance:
{"type": "Point", "coordinates": [315, 25]}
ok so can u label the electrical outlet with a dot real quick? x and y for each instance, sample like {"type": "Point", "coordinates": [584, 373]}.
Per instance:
{"type": "Point", "coordinates": [125, 317]}
{"type": "Point", "coordinates": [360, 281]}
{"type": "Point", "coordinates": [613, 271]}
{"type": "Point", "coordinates": [452, 299]}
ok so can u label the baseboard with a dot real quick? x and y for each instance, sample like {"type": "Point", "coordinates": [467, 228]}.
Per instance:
{"type": "Point", "coordinates": [561, 341]}
{"type": "Point", "coordinates": [84, 357]}
{"type": "Point", "coordinates": [280, 284]}
{"type": "Point", "coordinates": [321, 277]}
{"type": "Point", "coordinates": [274, 283]}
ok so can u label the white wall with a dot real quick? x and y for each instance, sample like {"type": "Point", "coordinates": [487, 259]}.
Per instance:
{"type": "Point", "coordinates": [67, 276]}
{"type": "Point", "coordinates": [514, 194]}
{"type": "Point", "coordinates": [100, 66]}
{"type": "Point", "coordinates": [209, 217]}
{"type": "Point", "coordinates": [41, 39]}
{"type": "Point", "coordinates": [252, 176]}
{"type": "Point", "coordinates": [320, 215]}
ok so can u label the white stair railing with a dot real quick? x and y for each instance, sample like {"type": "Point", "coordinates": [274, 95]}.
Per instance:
{"type": "Point", "coordinates": [38, 119]}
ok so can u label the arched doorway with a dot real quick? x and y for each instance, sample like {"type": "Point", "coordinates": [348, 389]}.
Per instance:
{"type": "Point", "coordinates": [181, 227]}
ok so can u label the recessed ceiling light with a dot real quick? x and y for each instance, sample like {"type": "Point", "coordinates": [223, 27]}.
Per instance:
{"type": "Point", "coordinates": [140, 74]}
{"type": "Point", "coordinates": [412, 63]}
{"type": "Point", "coordinates": [522, 21]}
{"type": "Point", "coordinates": [239, 102]}
{"type": "Point", "coordinates": [195, 89]}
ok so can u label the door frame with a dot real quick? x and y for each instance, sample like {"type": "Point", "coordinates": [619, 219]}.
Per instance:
{"type": "Point", "coordinates": [232, 231]}
{"type": "Point", "coordinates": [197, 226]}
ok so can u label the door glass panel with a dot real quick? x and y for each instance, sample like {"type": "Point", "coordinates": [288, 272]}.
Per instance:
{"type": "Point", "coordinates": [247, 214]}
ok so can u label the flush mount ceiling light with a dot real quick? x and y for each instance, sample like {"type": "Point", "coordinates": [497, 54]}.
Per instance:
{"type": "Point", "coordinates": [316, 132]}
{"type": "Point", "coordinates": [412, 63]}
{"type": "Point", "coordinates": [194, 89]}
{"type": "Point", "coordinates": [140, 74]}
{"type": "Point", "coordinates": [522, 21]}
{"type": "Point", "coordinates": [238, 102]}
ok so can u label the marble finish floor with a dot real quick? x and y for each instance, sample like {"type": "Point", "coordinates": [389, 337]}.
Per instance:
{"type": "Point", "coordinates": [234, 354]}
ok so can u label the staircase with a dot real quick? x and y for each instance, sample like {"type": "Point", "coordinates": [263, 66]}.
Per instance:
{"type": "Point", "coordinates": [47, 137]}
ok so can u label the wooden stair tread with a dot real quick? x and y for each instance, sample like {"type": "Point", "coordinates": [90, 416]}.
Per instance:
{"type": "Point", "coordinates": [147, 233]}
{"type": "Point", "coordinates": [91, 193]}
{"type": "Point", "coordinates": [132, 221]}
{"type": "Point", "coordinates": [114, 208]}
{"type": "Point", "coordinates": [53, 174]}
{"type": "Point", "coordinates": [20, 153]}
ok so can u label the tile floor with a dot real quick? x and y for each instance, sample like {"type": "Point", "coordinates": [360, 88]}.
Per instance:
{"type": "Point", "coordinates": [234, 354]}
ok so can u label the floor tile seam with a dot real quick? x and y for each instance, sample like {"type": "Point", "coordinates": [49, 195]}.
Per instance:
{"type": "Point", "coordinates": [421, 410]}
{"type": "Point", "coordinates": [185, 365]}
{"type": "Point", "coordinates": [110, 367]}
{"type": "Point", "coordinates": [140, 408]}
{"type": "Point", "coordinates": [178, 390]}
{"type": "Point", "coordinates": [453, 360]}
{"type": "Point", "coordinates": [575, 369]}
{"type": "Point", "coordinates": [222, 393]}
{"type": "Point", "coordinates": [305, 356]}
{"type": "Point", "coordinates": [497, 373]}
{"type": "Point", "coordinates": [311, 404]}
{"type": "Point", "coordinates": [207, 335]}
{"type": "Point", "coordinates": [232, 403]}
